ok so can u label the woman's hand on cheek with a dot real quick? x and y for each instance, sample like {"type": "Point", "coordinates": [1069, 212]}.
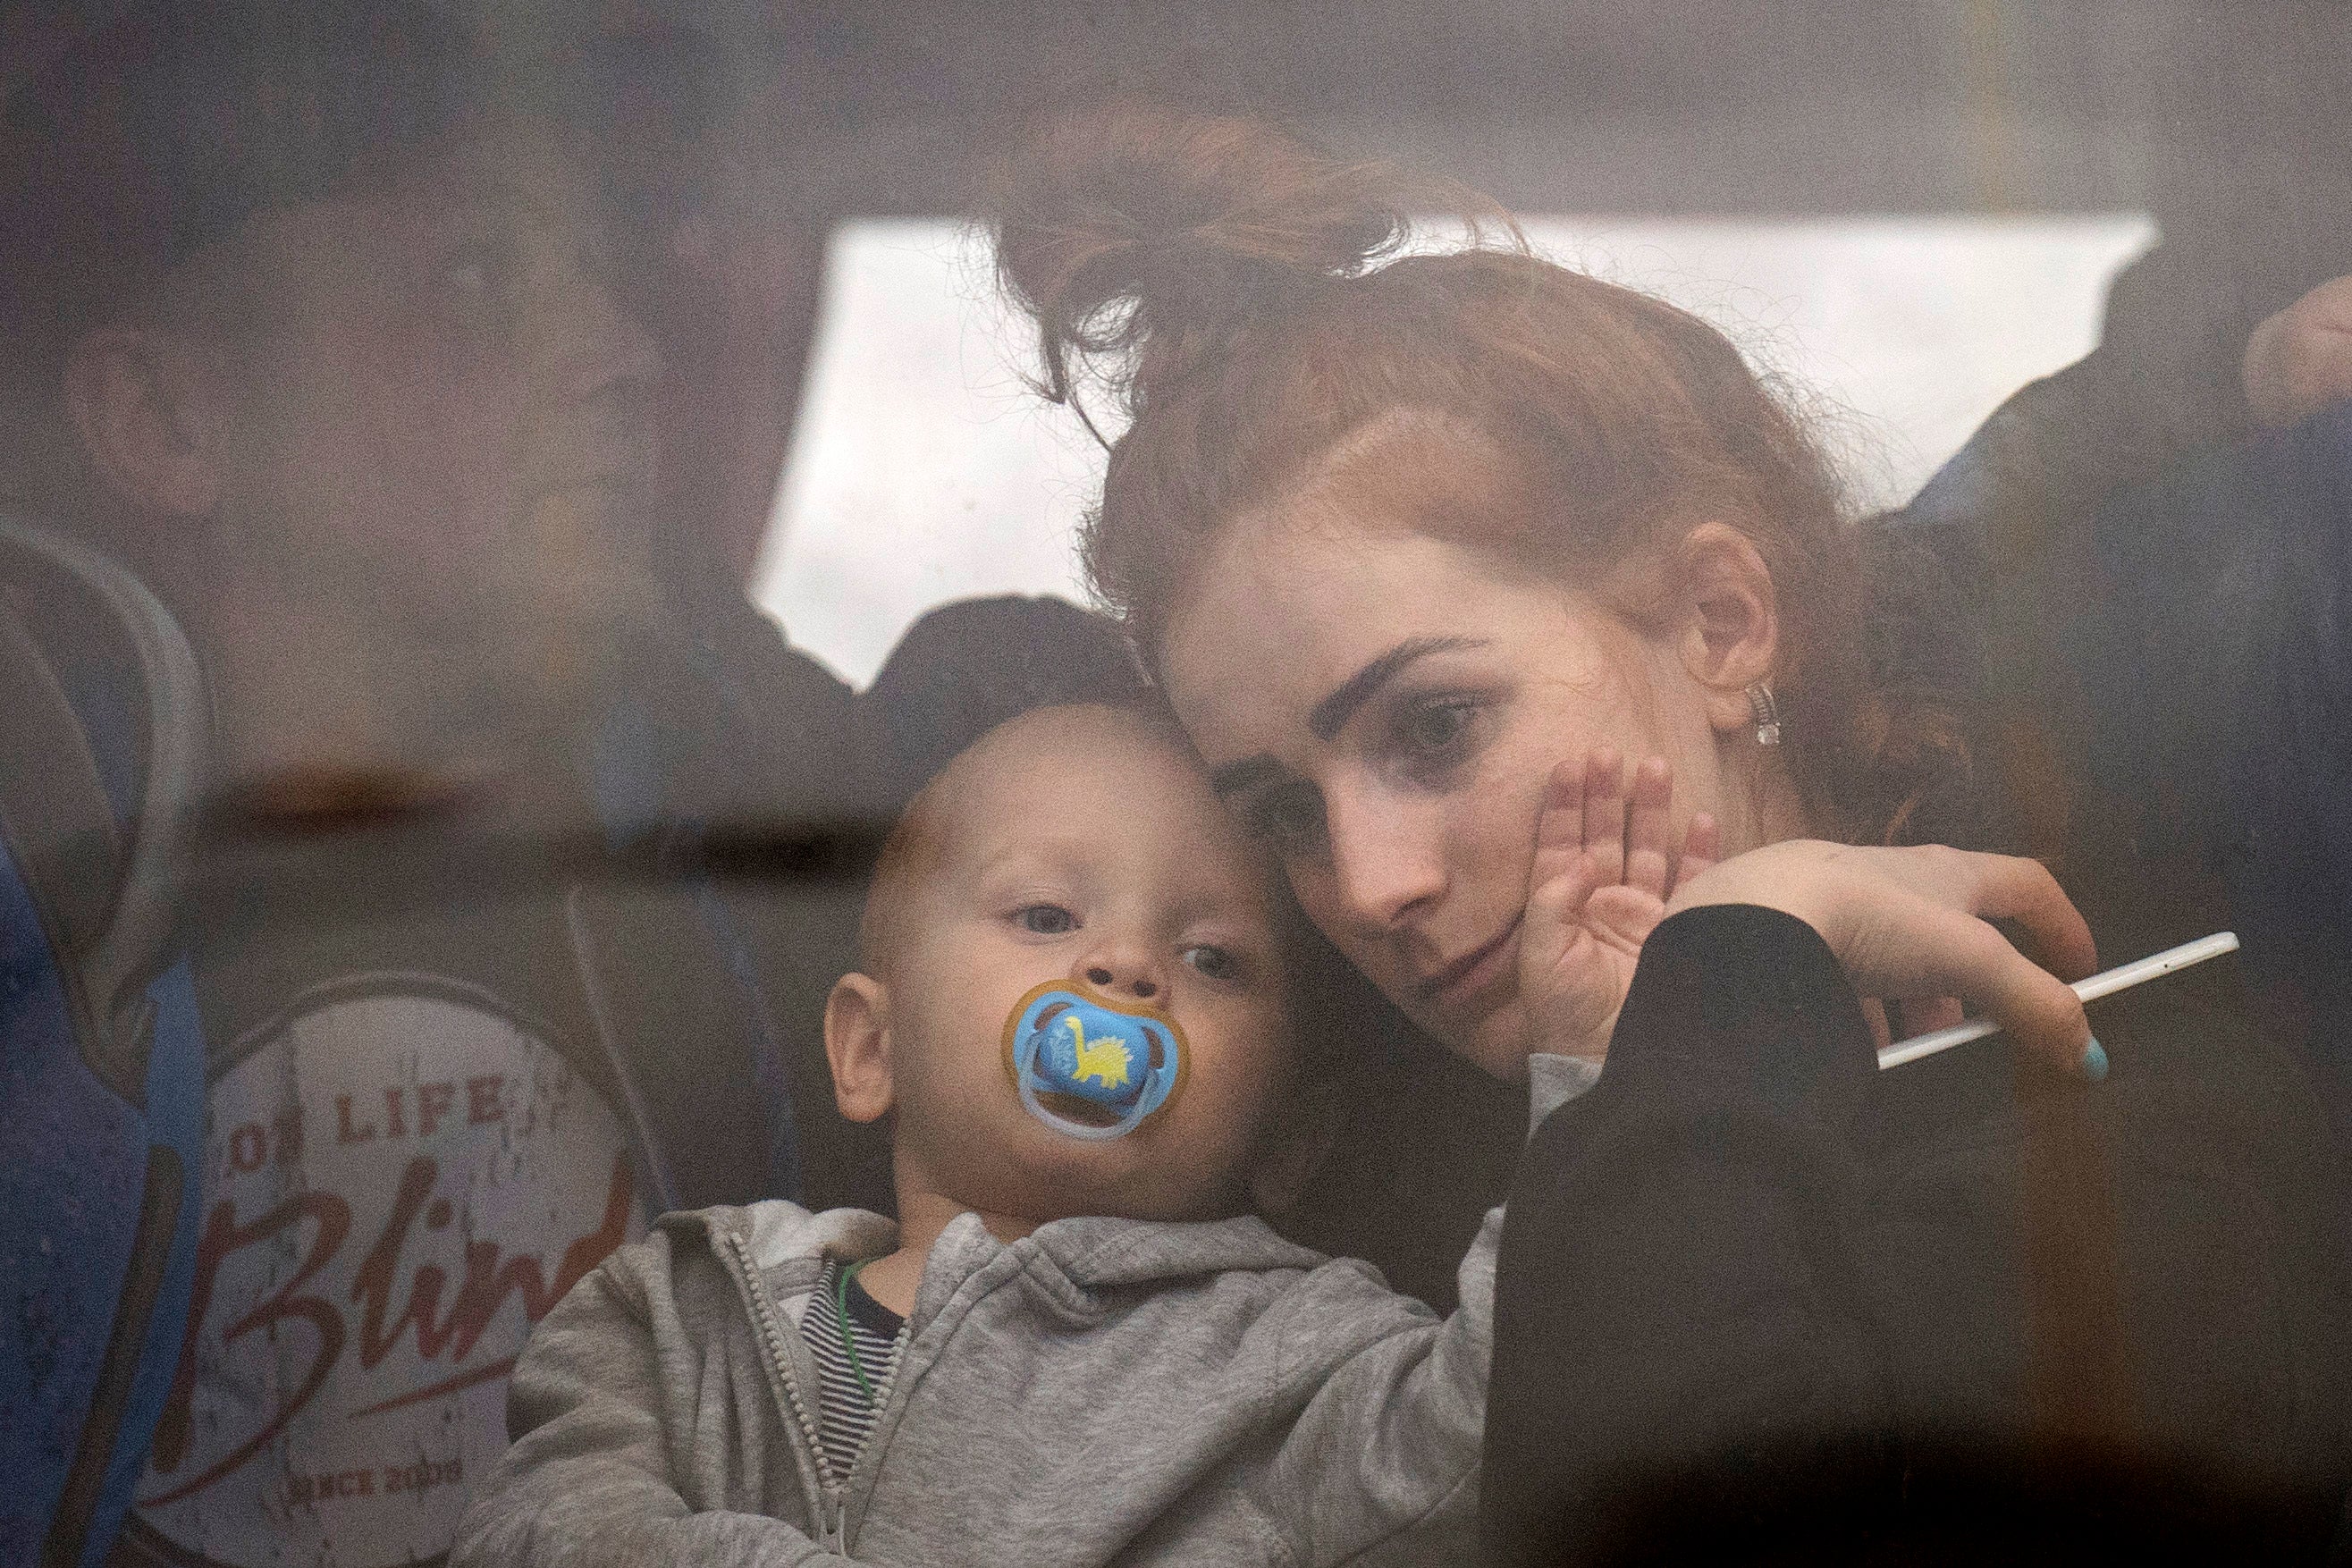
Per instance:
{"type": "Point", "coordinates": [1912, 922]}
{"type": "Point", "coordinates": [1598, 887]}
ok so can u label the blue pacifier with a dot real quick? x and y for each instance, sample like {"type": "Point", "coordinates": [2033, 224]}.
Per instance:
{"type": "Point", "coordinates": [1070, 1044]}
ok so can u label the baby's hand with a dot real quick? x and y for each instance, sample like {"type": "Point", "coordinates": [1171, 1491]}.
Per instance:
{"type": "Point", "coordinates": [1598, 888]}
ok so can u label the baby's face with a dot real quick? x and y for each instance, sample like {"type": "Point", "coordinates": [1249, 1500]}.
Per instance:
{"type": "Point", "coordinates": [1079, 845]}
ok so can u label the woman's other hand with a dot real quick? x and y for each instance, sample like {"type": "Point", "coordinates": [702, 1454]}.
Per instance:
{"type": "Point", "coordinates": [1912, 922]}
{"type": "Point", "coordinates": [1598, 886]}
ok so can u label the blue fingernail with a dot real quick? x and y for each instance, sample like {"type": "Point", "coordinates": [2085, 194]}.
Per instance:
{"type": "Point", "coordinates": [2095, 1060]}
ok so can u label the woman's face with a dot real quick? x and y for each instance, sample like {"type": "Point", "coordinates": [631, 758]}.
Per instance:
{"type": "Point", "coordinates": [1384, 709]}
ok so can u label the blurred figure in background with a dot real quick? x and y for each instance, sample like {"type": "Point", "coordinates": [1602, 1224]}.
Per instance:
{"type": "Point", "coordinates": [2157, 540]}
{"type": "Point", "coordinates": [318, 326]}
{"type": "Point", "coordinates": [2154, 546]}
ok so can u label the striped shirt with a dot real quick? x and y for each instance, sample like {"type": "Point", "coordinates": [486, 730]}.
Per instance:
{"type": "Point", "coordinates": [845, 1415]}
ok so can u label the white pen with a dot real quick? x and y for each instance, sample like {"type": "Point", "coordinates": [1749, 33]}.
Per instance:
{"type": "Point", "coordinates": [2104, 984]}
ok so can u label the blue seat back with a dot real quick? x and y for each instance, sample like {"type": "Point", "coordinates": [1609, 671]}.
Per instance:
{"type": "Point", "coordinates": [102, 1052]}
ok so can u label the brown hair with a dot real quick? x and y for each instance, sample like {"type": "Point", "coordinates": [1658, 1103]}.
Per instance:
{"type": "Point", "coordinates": [1247, 300]}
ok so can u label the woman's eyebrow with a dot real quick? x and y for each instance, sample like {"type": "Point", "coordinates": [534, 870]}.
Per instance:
{"type": "Point", "coordinates": [1331, 716]}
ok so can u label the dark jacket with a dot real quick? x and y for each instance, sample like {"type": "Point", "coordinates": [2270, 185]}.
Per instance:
{"type": "Point", "coordinates": [1757, 1298]}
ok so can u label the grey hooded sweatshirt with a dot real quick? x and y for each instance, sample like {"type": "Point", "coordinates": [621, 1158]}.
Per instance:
{"type": "Point", "coordinates": [1102, 1390]}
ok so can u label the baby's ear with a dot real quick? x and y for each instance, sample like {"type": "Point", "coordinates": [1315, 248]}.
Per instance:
{"type": "Point", "coordinates": [857, 1044]}
{"type": "Point", "coordinates": [1297, 1138]}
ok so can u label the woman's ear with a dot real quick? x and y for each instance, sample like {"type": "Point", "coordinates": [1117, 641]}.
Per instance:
{"type": "Point", "coordinates": [1728, 619]}
{"type": "Point", "coordinates": [858, 1046]}
{"type": "Point", "coordinates": [142, 408]}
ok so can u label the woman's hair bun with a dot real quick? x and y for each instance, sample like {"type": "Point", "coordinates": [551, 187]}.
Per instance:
{"type": "Point", "coordinates": [1144, 236]}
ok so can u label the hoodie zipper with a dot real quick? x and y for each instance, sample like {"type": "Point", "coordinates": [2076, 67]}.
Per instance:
{"type": "Point", "coordinates": [832, 1507]}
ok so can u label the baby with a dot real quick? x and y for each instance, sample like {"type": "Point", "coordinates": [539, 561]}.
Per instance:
{"type": "Point", "coordinates": [1076, 1346]}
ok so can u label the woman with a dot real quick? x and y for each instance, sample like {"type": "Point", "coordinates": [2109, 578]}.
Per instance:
{"type": "Point", "coordinates": [1419, 546]}
{"type": "Point", "coordinates": [1340, 525]}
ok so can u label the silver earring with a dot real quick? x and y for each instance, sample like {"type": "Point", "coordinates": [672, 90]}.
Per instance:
{"type": "Point", "coordinates": [1767, 713]}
